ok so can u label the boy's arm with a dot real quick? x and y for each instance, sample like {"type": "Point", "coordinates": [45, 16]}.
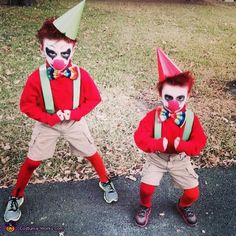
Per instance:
{"type": "Point", "coordinates": [144, 135]}
{"type": "Point", "coordinates": [32, 104]}
{"type": "Point", "coordinates": [90, 99]}
{"type": "Point", "coordinates": [196, 142]}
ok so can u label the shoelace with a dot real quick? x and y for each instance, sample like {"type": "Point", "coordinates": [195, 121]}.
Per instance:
{"type": "Point", "coordinates": [14, 205]}
{"type": "Point", "coordinates": [142, 212]}
{"type": "Point", "coordinates": [188, 211]}
{"type": "Point", "coordinates": [109, 186]}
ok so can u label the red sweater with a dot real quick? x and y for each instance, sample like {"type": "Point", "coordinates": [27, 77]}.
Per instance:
{"type": "Point", "coordinates": [32, 102]}
{"type": "Point", "coordinates": [144, 136]}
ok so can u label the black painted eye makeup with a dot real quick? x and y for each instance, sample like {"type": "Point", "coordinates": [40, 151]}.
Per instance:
{"type": "Point", "coordinates": [168, 97]}
{"type": "Point", "coordinates": [180, 98]}
{"type": "Point", "coordinates": [66, 54]}
{"type": "Point", "coordinates": [50, 53]}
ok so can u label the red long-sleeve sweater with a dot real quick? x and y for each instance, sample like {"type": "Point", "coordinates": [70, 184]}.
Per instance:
{"type": "Point", "coordinates": [32, 102]}
{"type": "Point", "coordinates": [144, 136]}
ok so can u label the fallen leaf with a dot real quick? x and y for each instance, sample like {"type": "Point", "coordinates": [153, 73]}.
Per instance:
{"type": "Point", "coordinates": [67, 172]}
{"type": "Point", "coordinates": [4, 160]}
{"type": "Point", "coordinates": [8, 72]}
{"type": "Point", "coordinates": [17, 81]}
{"type": "Point", "coordinates": [6, 146]}
{"type": "Point", "coordinates": [131, 177]}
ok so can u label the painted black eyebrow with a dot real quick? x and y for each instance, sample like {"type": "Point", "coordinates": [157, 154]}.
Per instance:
{"type": "Point", "coordinates": [50, 50]}
{"type": "Point", "coordinates": [50, 53]}
{"type": "Point", "coordinates": [66, 53]}
{"type": "Point", "coordinates": [168, 97]}
{"type": "Point", "coordinates": [180, 98]}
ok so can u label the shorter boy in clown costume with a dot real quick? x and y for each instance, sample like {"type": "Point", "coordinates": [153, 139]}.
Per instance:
{"type": "Point", "coordinates": [58, 95]}
{"type": "Point", "coordinates": [170, 134]}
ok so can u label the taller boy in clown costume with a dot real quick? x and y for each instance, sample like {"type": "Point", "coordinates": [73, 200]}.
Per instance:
{"type": "Point", "coordinates": [170, 134]}
{"type": "Point", "coordinates": [58, 95]}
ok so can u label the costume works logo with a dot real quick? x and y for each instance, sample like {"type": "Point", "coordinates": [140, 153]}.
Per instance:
{"type": "Point", "coordinates": [10, 228]}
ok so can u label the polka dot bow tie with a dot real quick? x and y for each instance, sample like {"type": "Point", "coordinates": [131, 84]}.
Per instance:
{"type": "Point", "coordinates": [178, 117]}
{"type": "Point", "coordinates": [70, 73]}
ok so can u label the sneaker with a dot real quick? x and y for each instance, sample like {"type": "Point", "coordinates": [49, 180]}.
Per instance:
{"type": "Point", "coordinates": [12, 212]}
{"type": "Point", "coordinates": [110, 194]}
{"type": "Point", "coordinates": [142, 216]}
{"type": "Point", "coordinates": [187, 214]}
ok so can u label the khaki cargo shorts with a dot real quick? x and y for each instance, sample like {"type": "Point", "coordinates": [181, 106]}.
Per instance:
{"type": "Point", "coordinates": [177, 165]}
{"type": "Point", "coordinates": [44, 139]}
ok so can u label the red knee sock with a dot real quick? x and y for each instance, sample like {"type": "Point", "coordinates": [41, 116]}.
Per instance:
{"type": "Point", "coordinates": [146, 193]}
{"type": "Point", "coordinates": [24, 175]}
{"type": "Point", "coordinates": [99, 167]}
{"type": "Point", "coordinates": [189, 197]}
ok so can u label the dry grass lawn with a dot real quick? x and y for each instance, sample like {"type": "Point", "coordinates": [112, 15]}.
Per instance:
{"type": "Point", "coordinates": [117, 45]}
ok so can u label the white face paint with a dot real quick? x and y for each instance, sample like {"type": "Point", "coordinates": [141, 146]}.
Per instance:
{"type": "Point", "coordinates": [58, 53]}
{"type": "Point", "coordinates": [174, 97]}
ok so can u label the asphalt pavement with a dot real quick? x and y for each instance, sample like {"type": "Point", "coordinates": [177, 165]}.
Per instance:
{"type": "Point", "coordinates": [78, 208]}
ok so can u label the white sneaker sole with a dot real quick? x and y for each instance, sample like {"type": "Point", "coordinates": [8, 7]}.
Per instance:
{"type": "Point", "coordinates": [15, 219]}
{"type": "Point", "coordinates": [113, 200]}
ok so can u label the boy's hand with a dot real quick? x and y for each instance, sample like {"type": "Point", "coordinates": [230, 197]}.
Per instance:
{"type": "Point", "coordinates": [161, 145]}
{"type": "Point", "coordinates": [176, 142]}
{"type": "Point", "coordinates": [60, 114]}
{"type": "Point", "coordinates": [165, 143]}
{"type": "Point", "coordinates": [55, 118]}
{"type": "Point", "coordinates": [67, 114]}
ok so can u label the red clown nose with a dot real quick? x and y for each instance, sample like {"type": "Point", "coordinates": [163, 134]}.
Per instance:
{"type": "Point", "coordinates": [58, 64]}
{"type": "Point", "coordinates": [166, 68]}
{"type": "Point", "coordinates": [173, 106]}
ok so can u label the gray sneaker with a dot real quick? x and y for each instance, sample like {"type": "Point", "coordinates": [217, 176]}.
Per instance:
{"type": "Point", "coordinates": [110, 194]}
{"type": "Point", "coordinates": [12, 212]}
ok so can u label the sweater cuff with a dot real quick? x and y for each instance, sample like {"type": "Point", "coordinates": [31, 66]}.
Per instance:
{"type": "Point", "coordinates": [158, 145]}
{"type": "Point", "coordinates": [53, 119]}
{"type": "Point", "coordinates": [74, 115]}
{"type": "Point", "coordinates": [183, 145]}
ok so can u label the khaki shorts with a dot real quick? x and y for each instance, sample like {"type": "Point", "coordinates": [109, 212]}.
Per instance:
{"type": "Point", "coordinates": [44, 139]}
{"type": "Point", "coordinates": [177, 165]}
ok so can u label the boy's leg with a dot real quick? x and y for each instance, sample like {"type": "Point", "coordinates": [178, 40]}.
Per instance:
{"type": "Point", "coordinates": [24, 176]}
{"type": "Point", "coordinates": [152, 174]}
{"type": "Point", "coordinates": [82, 144]}
{"type": "Point", "coordinates": [41, 147]}
{"type": "Point", "coordinates": [99, 167]}
{"type": "Point", "coordinates": [189, 197]}
{"type": "Point", "coordinates": [185, 178]}
{"type": "Point", "coordinates": [12, 212]}
{"type": "Point", "coordinates": [146, 194]}
{"type": "Point", "coordinates": [110, 194]}
{"type": "Point", "coordinates": [184, 205]}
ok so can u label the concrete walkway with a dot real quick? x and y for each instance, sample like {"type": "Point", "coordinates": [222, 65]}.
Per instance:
{"type": "Point", "coordinates": [78, 208]}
